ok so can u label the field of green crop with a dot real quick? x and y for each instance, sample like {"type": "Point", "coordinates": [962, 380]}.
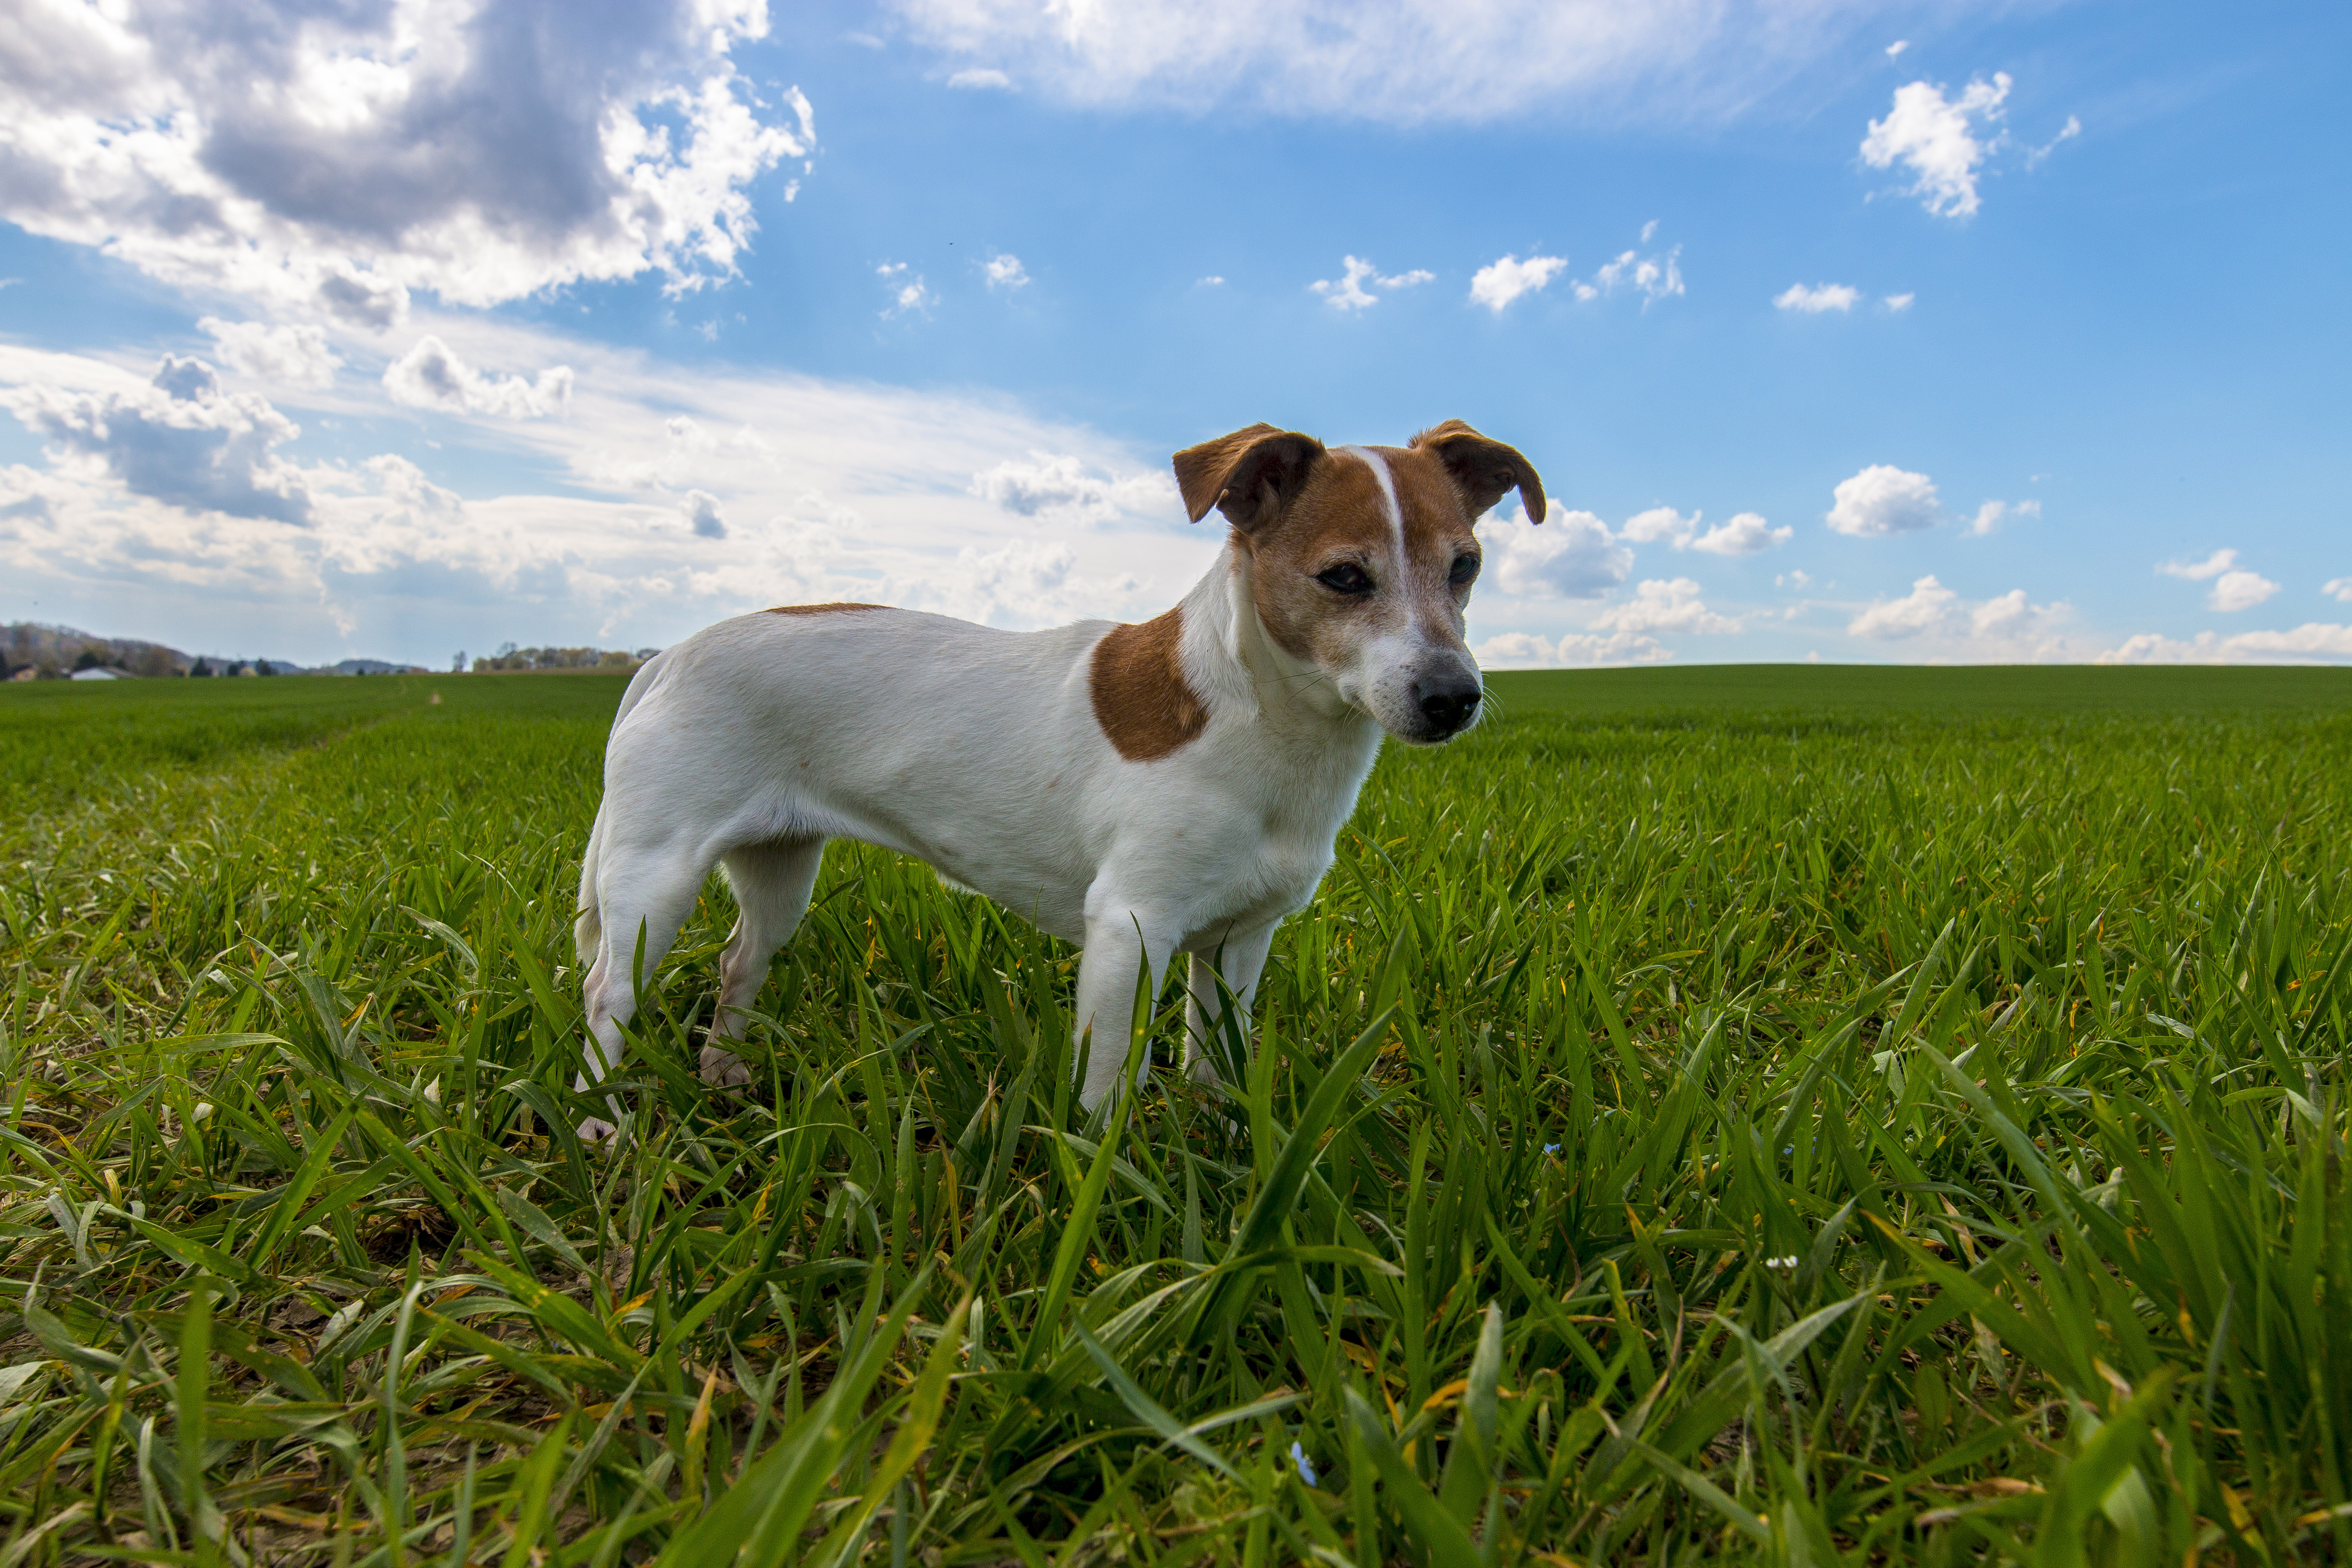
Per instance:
{"type": "Point", "coordinates": [1773, 1115]}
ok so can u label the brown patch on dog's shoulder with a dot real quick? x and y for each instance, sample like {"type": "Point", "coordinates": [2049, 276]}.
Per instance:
{"type": "Point", "coordinates": [822, 609]}
{"type": "Point", "coordinates": [1141, 700]}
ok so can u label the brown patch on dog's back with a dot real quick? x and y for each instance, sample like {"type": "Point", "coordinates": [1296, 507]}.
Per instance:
{"type": "Point", "coordinates": [822, 609]}
{"type": "Point", "coordinates": [1141, 698]}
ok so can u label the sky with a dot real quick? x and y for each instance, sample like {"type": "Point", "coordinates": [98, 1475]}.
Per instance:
{"type": "Point", "coordinates": [1837, 331]}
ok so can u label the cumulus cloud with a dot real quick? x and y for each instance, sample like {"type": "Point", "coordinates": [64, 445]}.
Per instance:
{"type": "Point", "coordinates": [1570, 556]}
{"type": "Point", "coordinates": [1349, 293]}
{"type": "Point", "coordinates": [2234, 588]}
{"type": "Point", "coordinates": [1053, 485]}
{"type": "Point", "coordinates": [1412, 61]}
{"type": "Point", "coordinates": [1937, 138]}
{"type": "Point", "coordinates": [702, 515]}
{"type": "Point", "coordinates": [1820, 298]}
{"type": "Point", "coordinates": [430, 376]}
{"type": "Point", "coordinates": [180, 439]}
{"type": "Point", "coordinates": [1660, 525]}
{"type": "Point", "coordinates": [1928, 604]}
{"type": "Point", "coordinates": [1671, 606]}
{"type": "Point", "coordinates": [1498, 283]}
{"type": "Point", "coordinates": [981, 79]}
{"type": "Point", "coordinates": [2338, 589]}
{"type": "Point", "coordinates": [1531, 650]}
{"type": "Point", "coordinates": [908, 291]}
{"type": "Point", "coordinates": [2235, 591]}
{"type": "Point", "coordinates": [1990, 515]}
{"type": "Point", "coordinates": [338, 158]}
{"type": "Point", "coordinates": [1747, 534]}
{"type": "Point", "coordinates": [1884, 500]}
{"type": "Point", "coordinates": [1654, 277]}
{"type": "Point", "coordinates": [1005, 272]}
{"type": "Point", "coordinates": [2213, 566]}
{"type": "Point", "coordinates": [297, 355]}
{"type": "Point", "coordinates": [1898, 303]}
{"type": "Point", "coordinates": [2008, 627]}
{"type": "Point", "coordinates": [2313, 642]}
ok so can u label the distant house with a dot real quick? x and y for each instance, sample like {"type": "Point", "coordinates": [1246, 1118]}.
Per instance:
{"type": "Point", "coordinates": [97, 673]}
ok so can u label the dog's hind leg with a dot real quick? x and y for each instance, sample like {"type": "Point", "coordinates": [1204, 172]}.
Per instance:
{"type": "Point", "coordinates": [1240, 958]}
{"type": "Point", "coordinates": [650, 889]}
{"type": "Point", "coordinates": [771, 883]}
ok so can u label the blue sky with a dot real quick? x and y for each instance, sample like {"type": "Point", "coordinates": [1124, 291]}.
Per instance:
{"type": "Point", "coordinates": [435, 329]}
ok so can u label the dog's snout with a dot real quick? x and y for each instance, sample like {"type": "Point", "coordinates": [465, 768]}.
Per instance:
{"type": "Point", "coordinates": [1447, 704]}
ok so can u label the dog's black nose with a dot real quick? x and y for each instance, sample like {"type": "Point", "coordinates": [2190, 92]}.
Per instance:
{"type": "Point", "coordinates": [1448, 706]}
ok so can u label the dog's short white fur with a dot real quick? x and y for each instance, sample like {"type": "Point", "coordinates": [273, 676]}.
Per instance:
{"type": "Point", "coordinates": [1148, 790]}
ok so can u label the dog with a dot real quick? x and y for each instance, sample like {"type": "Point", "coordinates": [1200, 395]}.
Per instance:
{"type": "Point", "coordinates": [1173, 786]}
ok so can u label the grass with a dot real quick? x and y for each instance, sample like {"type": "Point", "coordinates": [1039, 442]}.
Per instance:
{"type": "Point", "coordinates": [1783, 1116]}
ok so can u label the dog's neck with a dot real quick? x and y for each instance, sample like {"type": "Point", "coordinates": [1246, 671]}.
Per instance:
{"type": "Point", "coordinates": [1227, 646]}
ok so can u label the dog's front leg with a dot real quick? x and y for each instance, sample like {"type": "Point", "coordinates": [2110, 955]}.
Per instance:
{"type": "Point", "coordinates": [1240, 958]}
{"type": "Point", "coordinates": [1119, 942]}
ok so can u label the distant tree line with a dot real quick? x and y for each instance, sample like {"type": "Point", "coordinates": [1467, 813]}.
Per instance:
{"type": "Point", "coordinates": [513, 658]}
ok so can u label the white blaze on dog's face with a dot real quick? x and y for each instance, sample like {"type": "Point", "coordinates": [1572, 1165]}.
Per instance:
{"type": "Point", "coordinates": [1361, 558]}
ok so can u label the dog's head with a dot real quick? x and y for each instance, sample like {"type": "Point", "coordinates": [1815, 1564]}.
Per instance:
{"type": "Point", "coordinates": [1361, 558]}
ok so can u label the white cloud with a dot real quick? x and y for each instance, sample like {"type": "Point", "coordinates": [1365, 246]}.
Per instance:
{"type": "Point", "coordinates": [1898, 303]}
{"type": "Point", "coordinates": [337, 159]}
{"type": "Point", "coordinates": [1883, 499]}
{"type": "Point", "coordinates": [570, 531]}
{"type": "Point", "coordinates": [1531, 650]}
{"type": "Point", "coordinates": [1937, 138]}
{"type": "Point", "coordinates": [297, 355]}
{"type": "Point", "coordinates": [1990, 514]}
{"type": "Point", "coordinates": [1670, 605]}
{"type": "Point", "coordinates": [2235, 591]}
{"type": "Point", "coordinates": [1410, 61]}
{"type": "Point", "coordinates": [1818, 299]}
{"type": "Point", "coordinates": [2213, 565]}
{"type": "Point", "coordinates": [2067, 132]}
{"type": "Point", "coordinates": [1498, 283]}
{"type": "Point", "coordinates": [1213, 280]}
{"type": "Point", "coordinates": [2338, 589]}
{"type": "Point", "coordinates": [2006, 628]}
{"type": "Point", "coordinates": [2234, 588]}
{"type": "Point", "coordinates": [1062, 486]}
{"type": "Point", "coordinates": [981, 78]}
{"type": "Point", "coordinates": [179, 439]}
{"type": "Point", "coordinates": [1652, 277]}
{"type": "Point", "coordinates": [907, 293]}
{"type": "Point", "coordinates": [1570, 556]}
{"type": "Point", "coordinates": [702, 515]}
{"type": "Point", "coordinates": [1895, 49]}
{"type": "Point", "coordinates": [1005, 272]}
{"type": "Point", "coordinates": [1928, 604]}
{"type": "Point", "coordinates": [1746, 534]}
{"type": "Point", "coordinates": [1349, 293]}
{"type": "Point", "coordinates": [1660, 525]}
{"type": "Point", "coordinates": [1794, 578]}
{"type": "Point", "coordinates": [2312, 643]}
{"type": "Point", "coordinates": [430, 376]}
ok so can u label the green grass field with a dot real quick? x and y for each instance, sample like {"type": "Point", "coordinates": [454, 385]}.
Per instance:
{"type": "Point", "coordinates": [1785, 1115]}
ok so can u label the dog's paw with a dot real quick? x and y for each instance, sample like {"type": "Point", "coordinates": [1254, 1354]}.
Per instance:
{"type": "Point", "coordinates": [722, 1068]}
{"type": "Point", "coordinates": [598, 1133]}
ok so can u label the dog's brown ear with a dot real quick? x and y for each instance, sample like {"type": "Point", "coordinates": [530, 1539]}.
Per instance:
{"type": "Point", "coordinates": [1484, 470]}
{"type": "Point", "coordinates": [1249, 475]}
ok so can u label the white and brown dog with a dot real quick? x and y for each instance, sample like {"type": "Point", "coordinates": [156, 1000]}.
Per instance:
{"type": "Point", "coordinates": [1141, 790]}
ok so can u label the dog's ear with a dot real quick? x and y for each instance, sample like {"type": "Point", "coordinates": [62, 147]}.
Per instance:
{"type": "Point", "coordinates": [1483, 469]}
{"type": "Point", "coordinates": [1249, 475]}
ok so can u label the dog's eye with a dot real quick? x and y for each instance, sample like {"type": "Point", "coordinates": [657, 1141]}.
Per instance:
{"type": "Point", "coordinates": [1346, 578]}
{"type": "Point", "coordinates": [1465, 571]}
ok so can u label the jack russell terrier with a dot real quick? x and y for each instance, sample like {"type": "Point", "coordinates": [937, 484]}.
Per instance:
{"type": "Point", "coordinates": [1175, 786]}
